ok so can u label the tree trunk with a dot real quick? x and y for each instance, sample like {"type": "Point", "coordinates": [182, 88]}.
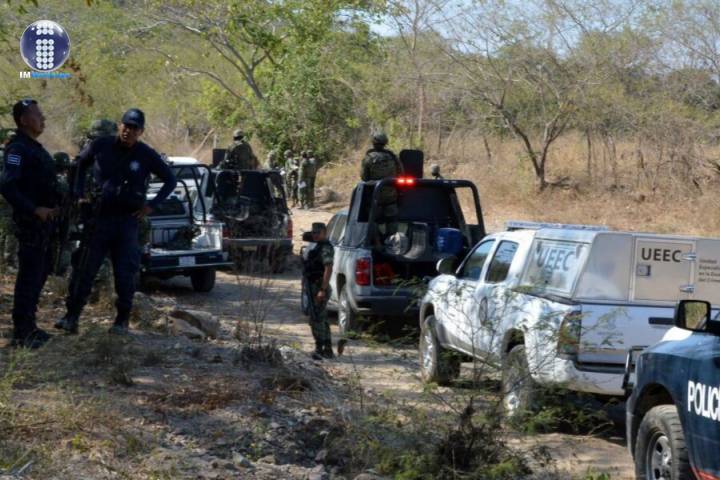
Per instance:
{"type": "Point", "coordinates": [588, 137]}
{"type": "Point", "coordinates": [488, 152]}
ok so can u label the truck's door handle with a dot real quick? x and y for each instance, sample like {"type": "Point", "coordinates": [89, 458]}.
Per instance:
{"type": "Point", "coordinates": [688, 289]}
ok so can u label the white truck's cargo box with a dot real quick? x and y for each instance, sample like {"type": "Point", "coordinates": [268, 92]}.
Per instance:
{"type": "Point", "coordinates": [624, 266]}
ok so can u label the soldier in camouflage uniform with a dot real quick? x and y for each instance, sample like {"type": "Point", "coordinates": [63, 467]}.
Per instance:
{"type": "Point", "coordinates": [291, 177]}
{"type": "Point", "coordinates": [8, 241]}
{"type": "Point", "coordinates": [380, 163]}
{"type": "Point", "coordinates": [306, 177]}
{"type": "Point", "coordinates": [239, 155]}
{"type": "Point", "coordinates": [273, 161]}
{"type": "Point", "coordinates": [316, 272]}
{"type": "Point", "coordinates": [311, 179]}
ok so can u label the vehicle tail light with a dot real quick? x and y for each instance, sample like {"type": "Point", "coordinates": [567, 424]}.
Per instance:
{"type": "Point", "coordinates": [225, 231]}
{"type": "Point", "coordinates": [569, 334]}
{"type": "Point", "coordinates": [289, 228]}
{"type": "Point", "coordinates": [363, 271]}
{"type": "Point", "coordinates": [383, 274]}
{"type": "Point", "coordinates": [405, 181]}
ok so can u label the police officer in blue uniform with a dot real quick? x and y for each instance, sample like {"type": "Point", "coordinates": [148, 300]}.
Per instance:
{"type": "Point", "coordinates": [29, 184]}
{"type": "Point", "coordinates": [122, 167]}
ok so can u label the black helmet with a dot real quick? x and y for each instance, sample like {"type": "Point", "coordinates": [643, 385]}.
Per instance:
{"type": "Point", "coordinates": [379, 138]}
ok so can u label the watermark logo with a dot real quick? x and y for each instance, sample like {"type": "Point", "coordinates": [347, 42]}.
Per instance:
{"type": "Point", "coordinates": [44, 46]}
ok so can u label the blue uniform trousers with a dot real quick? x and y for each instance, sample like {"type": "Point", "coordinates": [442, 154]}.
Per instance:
{"type": "Point", "coordinates": [117, 236]}
{"type": "Point", "coordinates": [34, 265]}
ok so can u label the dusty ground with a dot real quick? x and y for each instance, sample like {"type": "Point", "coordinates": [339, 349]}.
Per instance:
{"type": "Point", "coordinates": [156, 406]}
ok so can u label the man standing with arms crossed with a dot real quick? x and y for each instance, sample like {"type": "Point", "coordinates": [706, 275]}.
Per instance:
{"type": "Point", "coordinates": [29, 184]}
{"type": "Point", "coordinates": [122, 167]}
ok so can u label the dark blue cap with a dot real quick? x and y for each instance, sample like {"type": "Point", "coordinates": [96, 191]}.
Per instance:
{"type": "Point", "coordinates": [135, 117]}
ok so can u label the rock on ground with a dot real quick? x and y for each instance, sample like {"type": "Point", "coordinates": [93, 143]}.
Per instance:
{"type": "Point", "coordinates": [204, 321]}
{"type": "Point", "coordinates": [181, 327]}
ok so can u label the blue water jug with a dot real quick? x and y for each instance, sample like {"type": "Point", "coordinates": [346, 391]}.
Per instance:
{"type": "Point", "coordinates": [449, 240]}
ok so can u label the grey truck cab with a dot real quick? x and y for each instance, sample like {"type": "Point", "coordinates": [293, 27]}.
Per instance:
{"type": "Point", "coordinates": [379, 271]}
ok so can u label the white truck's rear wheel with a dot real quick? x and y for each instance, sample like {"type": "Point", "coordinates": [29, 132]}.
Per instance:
{"type": "Point", "coordinates": [518, 388]}
{"type": "Point", "coordinates": [660, 451]}
{"type": "Point", "coordinates": [437, 364]}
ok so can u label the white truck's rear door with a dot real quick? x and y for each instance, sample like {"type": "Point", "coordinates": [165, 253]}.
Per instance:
{"type": "Point", "coordinates": [663, 270]}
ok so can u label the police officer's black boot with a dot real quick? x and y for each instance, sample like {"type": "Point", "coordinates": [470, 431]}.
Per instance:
{"type": "Point", "coordinates": [121, 325]}
{"type": "Point", "coordinates": [34, 340]}
{"type": "Point", "coordinates": [327, 351]}
{"type": "Point", "coordinates": [68, 323]}
{"type": "Point", "coordinates": [318, 354]}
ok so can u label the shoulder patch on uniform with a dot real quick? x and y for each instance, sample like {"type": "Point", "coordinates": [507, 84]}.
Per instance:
{"type": "Point", "coordinates": [13, 159]}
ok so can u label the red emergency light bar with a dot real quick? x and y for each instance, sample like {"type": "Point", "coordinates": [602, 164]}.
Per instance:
{"type": "Point", "coordinates": [406, 181]}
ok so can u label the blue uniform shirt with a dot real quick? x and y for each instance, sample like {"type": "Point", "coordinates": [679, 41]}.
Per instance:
{"type": "Point", "coordinates": [29, 178]}
{"type": "Point", "coordinates": [118, 170]}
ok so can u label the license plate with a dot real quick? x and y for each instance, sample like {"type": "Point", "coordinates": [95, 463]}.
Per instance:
{"type": "Point", "coordinates": [249, 249]}
{"type": "Point", "coordinates": [187, 261]}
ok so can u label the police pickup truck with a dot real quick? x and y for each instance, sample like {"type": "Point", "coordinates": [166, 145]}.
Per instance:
{"type": "Point", "coordinates": [184, 238]}
{"type": "Point", "coordinates": [378, 269]}
{"type": "Point", "coordinates": [559, 305]}
{"type": "Point", "coordinates": [673, 412]}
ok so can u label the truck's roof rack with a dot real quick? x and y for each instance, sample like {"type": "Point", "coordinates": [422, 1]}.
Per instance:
{"type": "Point", "coordinates": [524, 225]}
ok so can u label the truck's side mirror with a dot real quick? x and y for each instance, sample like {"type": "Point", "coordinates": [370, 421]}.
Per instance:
{"type": "Point", "coordinates": [307, 237]}
{"type": "Point", "coordinates": [446, 266]}
{"type": "Point", "coordinates": [693, 315]}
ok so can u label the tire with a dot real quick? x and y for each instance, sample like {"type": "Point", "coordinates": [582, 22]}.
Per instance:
{"type": "Point", "coordinates": [519, 390]}
{"type": "Point", "coordinates": [660, 451]}
{"type": "Point", "coordinates": [304, 303]}
{"type": "Point", "coordinates": [347, 318]}
{"type": "Point", "coordinates": [203, 280]}
{"type": "Point", "coordinates": [437, 364]}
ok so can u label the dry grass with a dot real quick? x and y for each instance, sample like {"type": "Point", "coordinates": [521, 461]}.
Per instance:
{"type": "Point", "coordinates": [664, 196]}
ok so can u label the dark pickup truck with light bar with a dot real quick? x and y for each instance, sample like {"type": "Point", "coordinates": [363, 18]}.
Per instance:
{"type": "Point", "coordinates": [379, 274]}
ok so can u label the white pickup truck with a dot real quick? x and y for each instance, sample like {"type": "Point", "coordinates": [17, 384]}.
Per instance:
{"type": "Point", "coordinates": [560, 305]}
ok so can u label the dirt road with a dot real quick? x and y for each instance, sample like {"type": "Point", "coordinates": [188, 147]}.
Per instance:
{"type": "Point", "coordinates": [392, 371]}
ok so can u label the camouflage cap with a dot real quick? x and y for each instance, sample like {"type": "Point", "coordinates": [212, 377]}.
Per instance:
{"type": "Point", "coordinates": [288, 153]}
{"type": "Point", "coordinates": [238, 134]}
{"type": "Point", "coordinates": [379, 138]}
{"type": "Point", "coordinates": [318, 227]}
{"type": "Point", "coordinates": [309, 153]}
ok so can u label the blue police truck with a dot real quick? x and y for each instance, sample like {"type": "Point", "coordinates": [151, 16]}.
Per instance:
{"type": "Point", "coordinates": [673, 412]}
